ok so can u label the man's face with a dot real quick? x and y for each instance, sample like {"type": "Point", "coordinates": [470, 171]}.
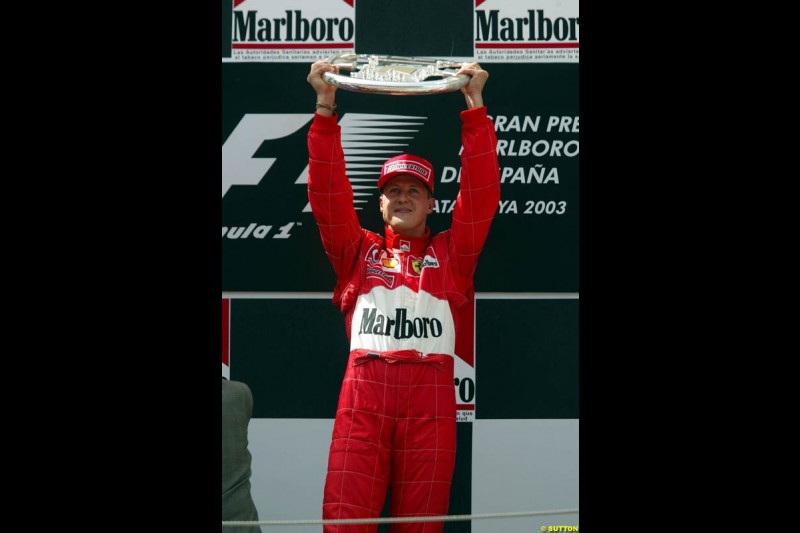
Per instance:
{"type": "Point", "coordinates": [405, 203]}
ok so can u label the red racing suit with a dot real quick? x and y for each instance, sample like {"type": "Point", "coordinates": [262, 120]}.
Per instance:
{"type": "Point", "coordinates": [402, 298]}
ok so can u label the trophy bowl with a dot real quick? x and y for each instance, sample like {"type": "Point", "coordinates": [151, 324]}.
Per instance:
{"type": "Point", "coordinates": [395, 75]}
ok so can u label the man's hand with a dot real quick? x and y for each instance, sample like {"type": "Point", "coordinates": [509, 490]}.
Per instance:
{"type": "Point", "coordinates": [326, 93]}
{"type": "Point", "coordinates": [473, 90]}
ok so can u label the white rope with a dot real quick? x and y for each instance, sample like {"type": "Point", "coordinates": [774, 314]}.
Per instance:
{"type": "Point", "coordinates": [394, 520]}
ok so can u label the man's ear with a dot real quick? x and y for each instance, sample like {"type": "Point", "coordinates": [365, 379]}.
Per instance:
{"type": "Point", "coordinates": [380, 203]}
{"type": "Point", "coordinates": [431, 203]}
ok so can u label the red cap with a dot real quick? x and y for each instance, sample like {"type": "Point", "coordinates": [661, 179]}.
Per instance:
{"type": "Point", "coordinates": [410, 165]}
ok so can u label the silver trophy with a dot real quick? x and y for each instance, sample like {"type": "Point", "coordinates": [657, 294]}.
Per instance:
{"type": "Point", "coordinates": [395, 75]}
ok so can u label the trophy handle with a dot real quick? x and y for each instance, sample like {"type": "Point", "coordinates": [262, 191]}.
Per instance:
{"type": "Point", "coordinates": [368, 65]}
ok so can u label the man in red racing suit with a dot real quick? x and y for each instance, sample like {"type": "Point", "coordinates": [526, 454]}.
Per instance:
{"type": "Point", "coordinates": [402, 296]}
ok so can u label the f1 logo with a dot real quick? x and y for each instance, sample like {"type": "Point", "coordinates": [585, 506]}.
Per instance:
{"type": "Point", "coordinates": [238, 165]}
